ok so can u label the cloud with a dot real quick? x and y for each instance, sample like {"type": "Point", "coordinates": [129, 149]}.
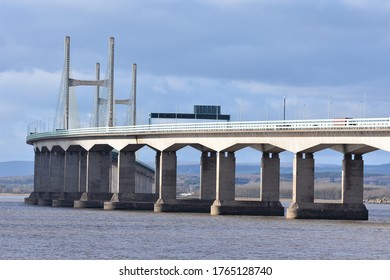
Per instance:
{"type": "Point", "coordinates": [29, 87]}
{"type": "Point", "coordinates": [296, 42]}
{"type": "Point", "coordinates": [233, 53]}
{"type": "Point", "coordinates": [26, 96]}
{"type": "Point", "coordinates": [253, 100]}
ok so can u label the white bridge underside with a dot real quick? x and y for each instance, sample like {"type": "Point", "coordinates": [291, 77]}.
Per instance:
{"type": "Point", "coordinates": [358, 136]}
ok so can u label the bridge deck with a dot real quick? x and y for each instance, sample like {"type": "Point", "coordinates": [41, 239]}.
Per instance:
{"type": "Point", "coordinates": [34, 132]}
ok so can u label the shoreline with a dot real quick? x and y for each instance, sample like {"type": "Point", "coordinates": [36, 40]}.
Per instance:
{"type": "Point", "coordinates": [381, 200]}
{"type": "Point", "coordinates": [14, 194]}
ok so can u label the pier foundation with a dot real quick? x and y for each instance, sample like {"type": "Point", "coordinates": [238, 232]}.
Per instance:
{"type": "Point", "coordinates": [270, 185]}
{"type": "Point", "coordinates": [267, 205]}
{"type": "Point", "coordinates": [74, 177]}
{"type": "Point", "coordinates": [99, 162]}
{"type": "Point", "coordinates": [167, 201]}
{"type": "Point", "coordinates": [351, 206]}
{"type": "Point", "coordinates": [125, 196]}
{"type": "Point", "coordinates": [33, 197]}
{"type": "Point", "coordinates": [208, 165]}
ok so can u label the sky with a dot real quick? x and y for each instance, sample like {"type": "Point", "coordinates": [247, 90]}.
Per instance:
{"type": "Point", "coordinates": [327, 58]}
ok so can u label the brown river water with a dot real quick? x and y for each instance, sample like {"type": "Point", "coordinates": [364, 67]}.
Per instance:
{"type": "Point", "coordinates": [29, 232]}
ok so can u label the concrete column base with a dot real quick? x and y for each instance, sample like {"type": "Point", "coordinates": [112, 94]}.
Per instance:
{"type": "Point", "coordinates": [92, 200]}
{"type": "Point", "coordinates": [62, 203]}
{"type": "Point", "coordinates": [45, 202]}
{"type": "Point", "coordinates": [66, 199]}
{"type": "Point", "coordinates": [183, 205]}
{"type": "Point", "coordinates": [131, 201]}
{"type": "Point", "coordinates": [252, 208]}
{"type": "Point", "coordinates": [32, 199]}
{"type": "Point", "coordinates": [135, 205]}
{"type": "Point", "coordinates": [45, 198]}
{"type": "Point", "coordinates": [331, 211]}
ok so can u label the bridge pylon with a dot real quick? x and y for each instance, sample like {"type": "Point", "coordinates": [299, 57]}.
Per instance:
{"type": "Point", "coordinates": [66, 115]}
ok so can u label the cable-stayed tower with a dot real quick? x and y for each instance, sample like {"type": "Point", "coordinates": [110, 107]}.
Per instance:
{"type": "Point", "coordinates": [67, 112]}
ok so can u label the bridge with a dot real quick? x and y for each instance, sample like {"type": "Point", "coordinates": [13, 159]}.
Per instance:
{"type": "Point", "coordinates": [96, 166]}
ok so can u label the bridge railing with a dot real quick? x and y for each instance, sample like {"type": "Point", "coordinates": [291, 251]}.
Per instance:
{"type": "Point", "coordinates": [217, 127]}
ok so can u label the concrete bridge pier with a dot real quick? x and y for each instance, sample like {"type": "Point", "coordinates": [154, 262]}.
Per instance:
{"type": "Point", "coordinates": [98, 187]}
{"type": "Point", "coordinates": [51, 175]}
{"type": "Point", "coordinates": [208, 165]}
{"type": "Point", "coordinates": [303, 205]}
{"type": "Point", "coordinates": [57, 175]}
{"type": "Point", "coordinates": [57, 163]}
{"type": "Point", "coordinates": [33, 197]}
{"type": "Point", "coordinates": [167, 182]}
{"type": "Point", "coordinates": [270, 185]}
{"type": "Point", "coordinates": [74, 177]}
{"type": "Point", "coordinates": [267, 205]}
{"type": "Point", "coordinates": [156, 185]}
{"type": "Point", "coordinates": [352, 187]}
{"type": "Point", "coordinates": [225, 184]}
{"type": "Point", "coordinates": [168, 201]}
{"type": "Point", "coordinates": [43, 176]}
{"type": "Point", "coordinates": [48, 176]}
{"type": "Point", "coordinates": [125, 196]}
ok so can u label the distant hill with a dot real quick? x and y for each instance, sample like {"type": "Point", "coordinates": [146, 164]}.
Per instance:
{"type": "Point", "coordinates": [286, 168]}
{"type": "Point", "coordinates": [16, 168]}
{"type": "Point", "coordinates": [377, 169]}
